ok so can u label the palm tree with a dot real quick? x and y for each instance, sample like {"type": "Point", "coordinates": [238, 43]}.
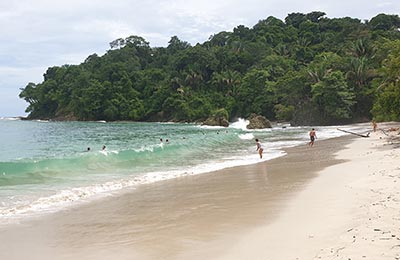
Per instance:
{"type": "Point", "coordinates": [226, 81]}
{"type": "Point", "coordinates": [359, 71]}
{"type": "Point", "coordinates": [282, 50]}
{"type": "Point", "coordinates": [193, 79]}
{"type": "Point", "coordinates": [317, 74]}
{"type": "Point", "coordinates": [362, 48]}
{"type": "Point", "coordinates": [178, 85]}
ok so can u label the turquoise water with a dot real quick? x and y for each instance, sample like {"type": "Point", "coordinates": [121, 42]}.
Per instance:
{"type": "Point", "coordinates": [45, 166]}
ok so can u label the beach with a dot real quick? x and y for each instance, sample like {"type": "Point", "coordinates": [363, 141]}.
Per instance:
{"type": "Point", "coordinates": [337, 200]}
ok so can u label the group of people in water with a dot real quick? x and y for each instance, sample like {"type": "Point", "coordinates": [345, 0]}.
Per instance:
{"type": "Point", "coordinates": [166, 141]}
{"type": "Point", "coordinates": [260, 148]}
{"type": "Point", "coordinates": [102, 148]}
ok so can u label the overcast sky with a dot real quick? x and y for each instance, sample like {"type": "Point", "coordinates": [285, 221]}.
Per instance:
{"type": "Point", "coordinates": [37, 34]}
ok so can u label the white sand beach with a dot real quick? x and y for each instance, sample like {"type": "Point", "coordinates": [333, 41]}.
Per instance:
{"type": "Point", "coordinates": [350, 211]}
{"type": "Point", "coordinates": [337, 200]}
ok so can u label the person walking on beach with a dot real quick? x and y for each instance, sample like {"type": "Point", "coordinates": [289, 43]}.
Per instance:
{"type": "Point", "coordinates": [313, 136]}
{"type": "Point", "coordinates": [260, 149]}
{"type": "Point", "coordinates": [374, 125]}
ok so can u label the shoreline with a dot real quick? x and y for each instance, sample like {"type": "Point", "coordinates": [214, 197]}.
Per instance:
{"type": "Point", "coordinates": [199, 204]}
{"type": "Point", "coordinates": [266, 210]}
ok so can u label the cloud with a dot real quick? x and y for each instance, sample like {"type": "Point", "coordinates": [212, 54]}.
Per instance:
{"type": "Point", "coordinates": [42, 33]}
{"type": "Point", "coordinates": [11, 80]}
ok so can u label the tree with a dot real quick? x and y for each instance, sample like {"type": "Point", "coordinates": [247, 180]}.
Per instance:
{"type": "Point", "coordinates": [295, 19]}
{"type": "Point", "coordinates": [323, 64]}
{"type": "Point", "coordinates": [220, 39]}
{"type": "Point", "coordinates": [175, 45]}
{"type": "Point", "coordinates": [363, 48]}
{"type": "Point", "coordinates": [226, 81]}
{"type": "Point", "coordinates": [333, 97]}
{"type": "Point", "coordinates": [315, 16]}
{"type": "Point", "coordinates": [309, 69]}
{"type": "Point", "coordinates": [387, 105]}
{"type": "Point", "coordinates": [385, 22]}
{"type": "Point", "coordinates": [254, 95]}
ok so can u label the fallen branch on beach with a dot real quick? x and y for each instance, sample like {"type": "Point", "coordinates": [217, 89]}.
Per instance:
{"type": "Point", "coordinates": [392, 129]}
{"type": "Point", "coordinates": [384, 132]}
{"type": "Point", "coordinates": [361, 135]}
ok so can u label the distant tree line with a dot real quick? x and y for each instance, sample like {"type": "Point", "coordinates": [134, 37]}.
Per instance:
{"type": "Point", "coordinates": [307, 69]}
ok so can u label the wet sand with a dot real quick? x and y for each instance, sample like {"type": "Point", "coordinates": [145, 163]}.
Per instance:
{"type": "Point", "coordinates": [235, 213]}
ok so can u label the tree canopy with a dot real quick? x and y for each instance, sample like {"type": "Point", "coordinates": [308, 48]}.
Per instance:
{"type": "Point", "coordinates": [307, 69]}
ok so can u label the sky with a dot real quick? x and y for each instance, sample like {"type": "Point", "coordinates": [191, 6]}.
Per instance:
{"type": "Point", "coordinates": [37, 34]}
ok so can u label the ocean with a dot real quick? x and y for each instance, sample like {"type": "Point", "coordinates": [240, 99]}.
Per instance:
{"type": "Point", "coordinates": [46, 166]}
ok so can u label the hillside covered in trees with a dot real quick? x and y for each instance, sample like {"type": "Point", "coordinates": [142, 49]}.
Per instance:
{"type": "Point", "coordinates": [307, 69]}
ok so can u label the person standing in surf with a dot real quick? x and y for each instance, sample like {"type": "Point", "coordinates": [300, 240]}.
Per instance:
{"type": "Point", "coordinates": [260, 149]}
{"type": "Point", "coordinates": [313, 136]}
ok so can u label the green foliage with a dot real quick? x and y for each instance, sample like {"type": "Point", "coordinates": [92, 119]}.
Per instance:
{"type": "Point", "coordinates": [387, 105]}
{"type": "Point", "coordinates": [333, 98]}
{"type": "Point", "coordinates": [221, 113]}
{"type": "Point", "coordinates": [385, 22]}
{"type": "Point", "coordinates": [253, 95]}
{"type": "Point", "coordinates": [308, 69]}
{"type": "Point", "coordinates": [284, 113]}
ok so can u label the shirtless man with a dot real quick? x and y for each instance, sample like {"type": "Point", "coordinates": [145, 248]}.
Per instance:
{"type": "Point", "coordinates": [313, 136]}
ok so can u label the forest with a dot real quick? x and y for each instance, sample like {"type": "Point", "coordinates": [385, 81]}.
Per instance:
{"type": "Point", "coordinates": [307, 69]}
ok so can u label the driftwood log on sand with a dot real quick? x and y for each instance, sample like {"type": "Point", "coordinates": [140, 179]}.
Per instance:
{"type": "Point", "coordinates": [360, 135]}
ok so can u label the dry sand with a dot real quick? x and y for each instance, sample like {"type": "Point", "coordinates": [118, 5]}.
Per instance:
{"type": "Point", "coordinates": [337, 200]}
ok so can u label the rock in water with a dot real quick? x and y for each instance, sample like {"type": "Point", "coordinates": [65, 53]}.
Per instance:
{"type": "Point", "coordinates": [258, 122]}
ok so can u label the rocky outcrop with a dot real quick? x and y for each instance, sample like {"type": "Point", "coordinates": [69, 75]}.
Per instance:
{"type": "Point", "coordinates": [216, 121]}
{"type": "Point", "coordinates": [258, 122]}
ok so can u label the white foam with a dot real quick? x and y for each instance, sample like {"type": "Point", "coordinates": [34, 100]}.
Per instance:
{"type": "Point", "coordinates": [10, 118]}
{"type": "Point", "coordinates": [108, 152]}
{"type": "Point", "coordinates": [149, 148]}
{"type": "Point", "coordinates": [248, 136]}
{"type": "Point", "coordinates": [74, 196]}
{"type": "Point", "coordinates": [240, 124]}
{"type": "Point", "coordinates": [260, 130]}
{"type": "Point", "coordinates": [210, 127]}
